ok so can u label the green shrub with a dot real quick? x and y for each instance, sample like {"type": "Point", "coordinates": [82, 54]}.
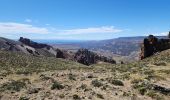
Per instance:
{"type": "Point", "coordinates": [96, 83]}
{"type": "Point", "coordinates": [117, 82]}
{"type": "Point", "coordinates": [57, 85]}
{"type": "Point", "coordinates": [13, 86]}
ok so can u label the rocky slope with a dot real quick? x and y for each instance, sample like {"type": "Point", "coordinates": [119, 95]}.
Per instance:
{"type": "Point", "coordinates": [38, 49]}
{"type": "Point", "coordinates": [27, 77]}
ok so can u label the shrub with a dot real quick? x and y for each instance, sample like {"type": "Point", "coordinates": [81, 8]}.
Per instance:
{"type": "Point", "coordinates": [14, 86]}
{"type": "Point", "coordinates": [83, 86]}
{"type": "Point", "coordinates": [76, 97]}
{"type": "Point", "coordinates": [154, 95]}
{"type": "Point", "coordinates": [142, 90]}
{"type": "Point", "coordinates": [23, 98]}
{"type": "Point", "coordinates": [96, 83]}
{"type": "Point", "coordinates": [57, 85]}
{"type": "Point", "coordinates": [100, 96]}
{"type": "Point", "coordinates": [72, 77]}
{"type": "Point", "coordinates": [61, 95]}
{"type": "Point", "coordinates": [117, 82]}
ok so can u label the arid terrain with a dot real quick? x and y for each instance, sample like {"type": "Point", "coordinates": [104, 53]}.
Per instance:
{"type": "Point", "coordinates": [26, 77]}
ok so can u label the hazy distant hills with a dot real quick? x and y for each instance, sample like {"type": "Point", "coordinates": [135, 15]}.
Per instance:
{"type": "Point", "coordinates": [122, 46]}
{"type": "Point", "coordinates": [125, 48]}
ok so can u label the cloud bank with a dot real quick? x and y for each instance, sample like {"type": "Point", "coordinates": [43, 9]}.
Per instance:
{"type": "Point", "coordinates": [103, 29]}
{"type": "Point", "coordinates": [15, 29]}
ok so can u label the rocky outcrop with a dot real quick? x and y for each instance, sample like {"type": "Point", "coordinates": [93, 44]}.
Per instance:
{"type": "Point", "coordinates": [152, 45]}
{"type": "Point", "coordinates": [87, 57]}
{"type": "Point", "coordinates": [33, 44]}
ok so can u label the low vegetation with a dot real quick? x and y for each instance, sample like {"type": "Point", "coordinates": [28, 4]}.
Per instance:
{"type": "Point", "coordinates": [50, 78]}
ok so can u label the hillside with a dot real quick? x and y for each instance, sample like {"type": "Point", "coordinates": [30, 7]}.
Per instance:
{"type": "Point", "coordinates": [27, 77]}
{"type": "Point", "coordinates": [30, 47]}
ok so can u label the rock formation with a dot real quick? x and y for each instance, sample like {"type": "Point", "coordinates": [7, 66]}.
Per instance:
{"type": "Point", "coordinates": [87, 57]}
{"type": "Point", "coordinates": [152, 45]}
{"type": "Point", "coordinates": [33, 44]}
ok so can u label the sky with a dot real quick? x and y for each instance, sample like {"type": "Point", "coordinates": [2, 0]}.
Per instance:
{"type": "Point", "coordinates": [83, 19]}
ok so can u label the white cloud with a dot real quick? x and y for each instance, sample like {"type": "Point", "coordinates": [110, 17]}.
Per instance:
{"type": "Point", "coordinates": [164, 33]}
{"type": "Point", "coordinates": [159, 34]}
{"type": "Point", "coordinates": [103, 29]}
{"type": "Point", "coordinates": [12, 28]}
{"type": "Point", "coordinates": [28, 20]}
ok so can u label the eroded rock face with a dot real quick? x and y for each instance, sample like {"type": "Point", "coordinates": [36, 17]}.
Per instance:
{"type": "Point", "coordinates": [33, 44]}
{"type": "Point", "coordinates": [152, 45]}
{"type": "Point", "coordinates": [87, 57]}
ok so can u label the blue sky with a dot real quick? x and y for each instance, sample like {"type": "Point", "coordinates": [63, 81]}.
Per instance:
{"type": "Point", "coordinates": [83, 19]}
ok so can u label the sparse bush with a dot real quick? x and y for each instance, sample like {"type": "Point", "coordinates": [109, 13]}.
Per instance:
{"type": "Point", "coordinates": [24, 72]}
{"type": "Point", "coordinates": [142, 90]}
{"type": "Point", "coordinates": [57, 85]}
{"type": "Point", "coordinates": [164, 71]}
{"type": "Point", "coordinates": [83, 86]}
{"type": "Point", "coordinates": [100, 96]}
{"type": "Point", "coordinates": [23, 98]}
{"type": "Point", "coordinates": [76, 97]}
{"type": "Point", "coordinates": [126, 93]}
{"type": "Point", "coordinates": [116, 82]}
{"type": "Point", "coordinates": [43, 77]}
{"type": "Point", "coordinates": [13, 86]}
{"type": "Point", "coordinates": [72, 77]}
{"type": "Point", "coordinates": [61, 96]}
{"type": "Point", "coordinates": [96, 83]}
{"type": "Point", "coordinates": [154, 95]}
